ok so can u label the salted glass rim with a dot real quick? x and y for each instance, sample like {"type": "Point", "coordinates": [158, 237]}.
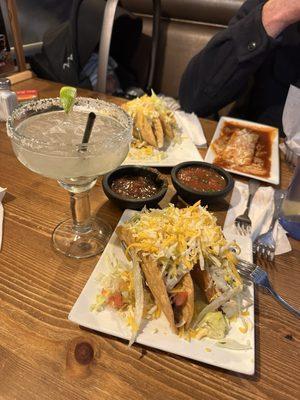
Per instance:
{"type": "Point", "coordinates": [47, 105]}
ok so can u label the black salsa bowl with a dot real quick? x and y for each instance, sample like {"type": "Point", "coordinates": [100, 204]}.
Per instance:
{"type": "Point", "coordinates": [190, 195]}
{"type": "Point", "coordinates": [135, 171]}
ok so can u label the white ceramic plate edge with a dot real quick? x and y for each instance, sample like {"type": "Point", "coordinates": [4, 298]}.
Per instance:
{"type": "Point", "coordinates": [185, 151]}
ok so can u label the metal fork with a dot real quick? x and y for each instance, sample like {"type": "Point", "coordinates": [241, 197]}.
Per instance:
{"type": "Point", "coordinates": [265, 244]}
{"type": "Point", "coordinates": [258, 276]}
{"type": "Point", "coordinates": [243, 222]}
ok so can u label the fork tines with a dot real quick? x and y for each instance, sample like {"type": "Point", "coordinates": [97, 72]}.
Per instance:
{"type": "Point", "coordinates": [245, 268]}
{"type": "Point", "coordinates": [246, 265]}
{"type": "Point", "coordinates": [242, 229]}
{"type": "Point", "coordinates": [259, 277]}
{"type": "Point", "coordinates": [251, 272]}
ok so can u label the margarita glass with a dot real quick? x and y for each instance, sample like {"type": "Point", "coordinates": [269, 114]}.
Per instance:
{"type": "Point", "coordinates": [49, 142]}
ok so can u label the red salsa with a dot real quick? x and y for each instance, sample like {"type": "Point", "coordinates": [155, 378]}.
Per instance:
{"type": "Point", "coordinates": [135, 187]}
{"type": "Point", "coordinates": [201, 179]}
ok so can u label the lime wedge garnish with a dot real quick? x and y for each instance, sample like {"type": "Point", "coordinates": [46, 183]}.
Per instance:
{"type": "Point", "coordinates": [67, 96]}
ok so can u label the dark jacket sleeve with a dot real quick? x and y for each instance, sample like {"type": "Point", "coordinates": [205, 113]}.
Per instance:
{"type": "Point", "coordinates": [221, 71]}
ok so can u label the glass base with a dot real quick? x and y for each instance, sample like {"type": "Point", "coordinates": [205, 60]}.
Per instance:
{"type": "Point", "coordinates": [84, 244]}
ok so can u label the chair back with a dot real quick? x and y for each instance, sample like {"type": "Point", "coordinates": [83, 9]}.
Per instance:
{"type": "Point", "coordinates": [186, 27]}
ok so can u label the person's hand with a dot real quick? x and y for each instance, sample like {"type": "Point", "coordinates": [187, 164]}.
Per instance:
{"type": "Point", "coordinates": [279, 14]}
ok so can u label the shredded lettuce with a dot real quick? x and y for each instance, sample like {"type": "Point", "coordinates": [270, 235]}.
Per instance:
{"type": "Point", "coordinates": [140, 150]}
{"type": "Point", "coordinates": [232, 344]}
{"type": "Point", "coordinates": [121, 289]}
{"type": "Point", "coordinates": [139, 299]}
{"type": "Point", "coordinates": [214, 325]}
{"type": "Point", "coordinates": [214, 305]}
{"type": "Point", "coordinates": [177, 239]}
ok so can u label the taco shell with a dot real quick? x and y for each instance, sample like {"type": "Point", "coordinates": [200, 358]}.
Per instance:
{"type": "Point", "coordinates": [153, 278]}
{"type": "Point", "coordinates": [203, 280]}
{"type": "Point", "coordinates": [159, 133]}
{"type": "Point", "coordinates": [168, 131]}
{"type": "Point", "coordinates": [186, 312]}
{"type": "Point", "coordinates": [146, 130]}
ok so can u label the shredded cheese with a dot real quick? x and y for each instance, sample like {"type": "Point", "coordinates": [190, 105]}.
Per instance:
{"type": "Point", "coordinates": [178, 239]}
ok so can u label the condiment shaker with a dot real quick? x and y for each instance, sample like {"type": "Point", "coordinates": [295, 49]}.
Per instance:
{"type": "Point", "coordinates": [8, 99]}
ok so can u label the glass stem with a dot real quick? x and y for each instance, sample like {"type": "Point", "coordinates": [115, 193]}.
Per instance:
{"type": "Point", "coordinates": [81, 211]}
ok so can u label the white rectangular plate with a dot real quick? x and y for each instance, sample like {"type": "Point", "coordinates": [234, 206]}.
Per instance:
{"type": "Point", "coordinates": [109, 322]}
{"type": "Point", "coordinates": [174, 154]}
{"type": "Point", "coordinates": [274, 172]}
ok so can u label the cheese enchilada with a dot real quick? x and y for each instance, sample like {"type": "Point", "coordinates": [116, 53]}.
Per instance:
{"type": "Point", "coordinates": [244, 149]}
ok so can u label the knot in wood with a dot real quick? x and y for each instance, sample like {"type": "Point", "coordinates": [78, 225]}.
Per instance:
{"type": "Point", "coordinates": [84, 353]}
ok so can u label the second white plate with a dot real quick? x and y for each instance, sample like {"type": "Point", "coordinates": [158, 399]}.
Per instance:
{"type": "Point", "coordinates": [274, 171]}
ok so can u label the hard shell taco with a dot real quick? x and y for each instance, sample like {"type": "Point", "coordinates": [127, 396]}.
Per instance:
{"type": "Point", "coordinates": [178, 255]}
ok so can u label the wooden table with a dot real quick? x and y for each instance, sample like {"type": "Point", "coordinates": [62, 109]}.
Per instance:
{"type": "Point", "coordinates": [44, 356]}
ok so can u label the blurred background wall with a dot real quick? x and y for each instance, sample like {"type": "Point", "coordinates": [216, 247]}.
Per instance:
{"type": "Point", "coordinates": [35, 17]}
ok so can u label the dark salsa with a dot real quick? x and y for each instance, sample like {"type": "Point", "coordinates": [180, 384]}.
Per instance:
{"type": "Point", "coordinates": [135, 187]}
{"type": "Point", "coordinates": [201, 179]}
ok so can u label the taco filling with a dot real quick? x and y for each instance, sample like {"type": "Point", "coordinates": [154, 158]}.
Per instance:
{"type": "Point", "coordinates": [178, 256]}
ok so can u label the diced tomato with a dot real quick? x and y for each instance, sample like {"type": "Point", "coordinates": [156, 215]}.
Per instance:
{"type": "Point", "coordinates": [116, 300]}
{"type": "Point", "coordinates": [180, 298]}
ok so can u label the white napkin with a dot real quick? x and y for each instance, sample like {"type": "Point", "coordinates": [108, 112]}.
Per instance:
{"type": "Point", "coordinates": [190, 125]}
{"type": "Point", "coordinates": [261, 213]}
{"type": "Point", "coordinates": [2, 193]}
{"type": "Point", "coordinates": [244, 242]}
{"type": "Point", "coordinates": [291, 119]}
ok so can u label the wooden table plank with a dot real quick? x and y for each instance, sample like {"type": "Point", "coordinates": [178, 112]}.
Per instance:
{"type": "Point", "coordinates": [38, 288]}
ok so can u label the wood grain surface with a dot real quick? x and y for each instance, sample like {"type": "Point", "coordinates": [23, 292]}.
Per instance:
{"type": "Point", "coordinates": [44, 356]}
